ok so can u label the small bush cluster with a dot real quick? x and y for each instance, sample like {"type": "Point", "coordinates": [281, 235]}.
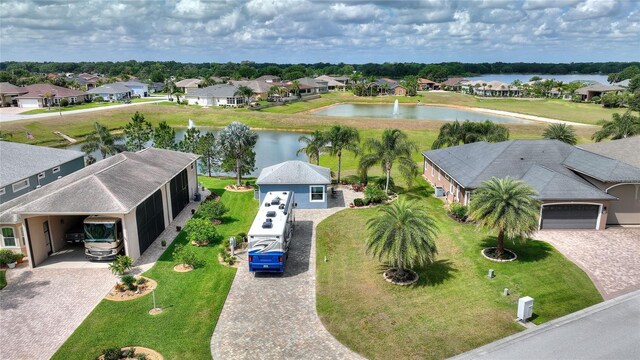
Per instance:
{"type": "Point", "coordinates": [226, 256]}
{"type": "Point", "coordinates": [459, 211]}
{"type": "Point", "coordinates": [213, 210]}
{"type": "Point", "coordinates": [186, 256]}
{"type": "Point", "coordinates": [381, 182]}
{"type": "Point", "coordinates": [117, 354]}
{"type": "Point", "coordinates": [374, 195]}
{"type": "Point", "coordinates": [98, 99]}
{"type": "Point", "coordinates": [8, 256]}
{"type": "Point", "coordinates": [121, 265]}
{"type": "Point", "coordinates": [200, 231]}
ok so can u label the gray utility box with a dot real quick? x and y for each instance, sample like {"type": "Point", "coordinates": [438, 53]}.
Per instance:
{"type": "Point", "coordinates": [525, 308]}
{"type": "Point", "coordinates": [439, 191]}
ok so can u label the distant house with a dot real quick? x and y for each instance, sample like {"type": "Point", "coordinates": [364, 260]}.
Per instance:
{"type": "Point", "coordinates": [579, 189]}
{"type": "Point", "coordinates": [454, 83]}
{"type": "Point", "coordinates": [8, 93]}
{"type": "Point", "coordinates": [332, 84]}
{"type": "Point", "coordinates": [308, 182]}
{"type": "Point", "coordinates": [26, 167]}
{"type": "Point", "coordinates": [112, 92]}
{"type": "Point", "coordinates": [156, 87]}
{"type": "Point", "coordinates": [43, 95]}
{"type": "Point", "coordinates": [259, 87]}
{"type": "Point", "coordinates": [588, 92]}
{"type": "Point", "coordinates": [489, 88]}
{"type": "Point", "coordinates": [316, 86]}
{"type": "Point", "coordinates": [137, 88]}
{"type": "Point", "coordinates": [269, 78]}
{"type": "Point", "coordinates": [215, 95]}
{"type": "Point", "coordinates": [188, 85]}
{"type": "Point", "coordinates": [426, 84]}
{"type": "Point", "coordinates": [342, 79]}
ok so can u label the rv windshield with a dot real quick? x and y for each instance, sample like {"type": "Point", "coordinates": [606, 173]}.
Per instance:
{"type": "Point", "coordinates": [99, 232]}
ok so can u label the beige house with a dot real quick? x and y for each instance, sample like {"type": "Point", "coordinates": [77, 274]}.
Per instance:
{"type": "Point", "coordinates": [588, 92]}
{"type": "Point", "coordinates": [579, 189]}
{"type": "Point", "coordinates": [188, 85]}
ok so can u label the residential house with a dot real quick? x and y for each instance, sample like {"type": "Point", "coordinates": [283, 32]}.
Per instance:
{"type": "Point", "coordinates": [260, 88]}
{"type": "Point", "coordinates": [90, 81]}
{"type": "Point", "coordinates": [43, 95]}
{"type": "Point", "coordinates": [112, 92]}
{"type": "Point", "coordinates": [579, 189]}
{"type": "Point", "coordinates": [156, 87]}
{"type": "Point", "coordinates": [426, 84]}
{"type": "Point", "coordinates": [215, 95]}
{"type": "Point", "coordinates": [8, 94]}
{"type": "Point", "coordinates": [146, 190]}
{"type": "Point", "coordinates": [490, 89]}
{"type": "Point", "coordinates": [316, 86]}
{"type": "Point", "coordinates": [308, 182]}
{"type": "Point", "coordinates": [452, 84]}
{"type": "Point", "coordinates": [269, 78]}
{"type": "Point", "coordinates": [342, 79]}
{"type": "Point", "coordinates": [332, 84]}
{"type": "Point", "coordinates": [188, 85]}
{"type": "Point", "coordinates": [588, 92]}
{"type": "Point", "coordinates": [26, 167]}
{"type": "Point", "coordinates": [138, 89]}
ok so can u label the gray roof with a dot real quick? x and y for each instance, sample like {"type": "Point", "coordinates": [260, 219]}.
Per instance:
{"type": "Point", "coordinates": [114, 88]}
{"type": "Point", "coordinates": [132, 83]}
{"type": "Point", "coordinates": [219, 90]}
{"type": "Point", "coordinates": [294, 172]}
{"type": "Point", "coordinates": [598, 88]}
{"type": "Point", "coordinates": [19, 161]}
{"type": "Point", "coordinates": [115, 185]}
{"type": "Point", "coordinates": [188, 83]}
{"type": "Point", "coordinates": [549, 166]}
{"type": "Point", "coordinates": [625, 150]}
{"type": "Point", "coordinates": [312, 82]}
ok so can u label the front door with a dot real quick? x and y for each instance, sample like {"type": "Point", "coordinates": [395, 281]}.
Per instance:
{"type": "Point", "coordinates": [47, 237]}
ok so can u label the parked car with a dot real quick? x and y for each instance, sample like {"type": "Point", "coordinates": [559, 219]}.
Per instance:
{"type": "Point", "coordinates": [75, 235]}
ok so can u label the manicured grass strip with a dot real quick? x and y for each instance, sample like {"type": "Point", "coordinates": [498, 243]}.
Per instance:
{"type": "Point", "coordinates": [454, 307]}
{"type": "Point", "coordinates": [3, 279]}
{"type": "Point", "coordinates": [192, 301]}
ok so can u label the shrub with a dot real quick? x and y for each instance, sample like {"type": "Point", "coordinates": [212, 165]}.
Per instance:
{"type": "Point", "coordinates": [141, 357]}
{"type": "Point", "coordinates": [121, 265]}
{"type": "Point", "coordinates": [381, 182]}
{"type": "Point", "coordinates": [129, 353]}
{"type": "Point", "coordinates": [112, 353]}
{"type": "Point", "coordinates": [128, 280]}
{"type": "Point", "coordinates": [374, 194]}
{"type": "Point", "coordinates": [163, 243]}
{"type": "Point", "coordinates": [187, 256]}
{"type": "Point", "coordinates": [64, 102]}
{"type": "Point", "coordinates": [98, 99]}
{"type": "Point", "coordinates": [213, 210]}
{"type": "Point", "coordinates": [611, 100]}
{"type": "Point", "coordinates": [596, 99]}
{"type": "Point", "coordinates": [358, 202]}
{"type": "Point", "coordinates": [241, 237]}
{"type": "Point", "coordinates": [6, 257]}
{"type": "Point", "coordinates": [18, 256]}
{"type": "Point", "coordinates": [459, 211]}
{"type": "Point", "coordinates": [141, 281]}
{"type": "Point", "coordinates": [185, 102]}
{"type": "Point", "coordinates": [200, 231]}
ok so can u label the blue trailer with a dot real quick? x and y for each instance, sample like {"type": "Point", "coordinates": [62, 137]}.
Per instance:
{"type": "Point", "coordinates": [271, 232]}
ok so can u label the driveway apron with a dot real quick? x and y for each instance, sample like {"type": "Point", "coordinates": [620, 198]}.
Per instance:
{"type": "Point", "coordinates": [273, 316]}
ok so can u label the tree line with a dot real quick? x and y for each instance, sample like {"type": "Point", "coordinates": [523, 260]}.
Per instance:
{"type": "Point", "coordinates": [159, 71]}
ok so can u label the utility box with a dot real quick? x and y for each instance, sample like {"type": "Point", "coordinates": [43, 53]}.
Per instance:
{"type": "Point", "coordinates": [439, 191]}
{"type": "Point", "coordinates": [525, 308]}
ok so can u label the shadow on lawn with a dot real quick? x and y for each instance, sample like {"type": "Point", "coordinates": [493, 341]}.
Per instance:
{"type": "Point", "coordinates": [528, 251]}
{"type": "Point", "coordinates": [433, 274]}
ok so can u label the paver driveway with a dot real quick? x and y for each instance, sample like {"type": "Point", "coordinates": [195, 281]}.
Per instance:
{"type": "Point", "coordinates": [270, 316]}
{"type": "Point", "coordinates": [611, 257]}
{"type": "Point", "coordinates": [41, 308]}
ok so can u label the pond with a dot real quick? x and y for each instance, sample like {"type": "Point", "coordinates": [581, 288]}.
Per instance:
{"type": "Point", "coordinates": [416, 112]}
{"type": "Point", "coordinates": [272, 147]}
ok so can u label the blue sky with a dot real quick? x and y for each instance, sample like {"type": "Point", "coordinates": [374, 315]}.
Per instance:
{"type": "Point", "coordinates": [294, 31]}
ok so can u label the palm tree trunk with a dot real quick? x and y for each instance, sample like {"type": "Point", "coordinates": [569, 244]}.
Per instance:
{"type": "Point", "coordinates": [386, 187]}
{"type": "Point", "coordinates": [318, 159]}
{"type": "Point", "coordinates": [238, 173]}
{"type": "Point", "coordinates": [339, 164]}
{"type": "Point", "coordinates": [500, 248]}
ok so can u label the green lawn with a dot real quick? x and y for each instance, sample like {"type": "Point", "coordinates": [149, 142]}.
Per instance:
{"type": "Point", "coordinates": [192, 301]}
{"type": "Point", "coordinates": [3, 279]}
{"type": "Point", "coordinates": [454, 307]}
{"type": "Point", "coordinates": [55, 109]}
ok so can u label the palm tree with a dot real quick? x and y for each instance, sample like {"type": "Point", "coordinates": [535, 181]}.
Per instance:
{"type": "Point", "coordinates": [451, 134]}
{"type": "Point", "coordinates": [314, 145]}
{"type": "Point", "coordinates": [506, 206]}
{"type": "Point", "coordinates": [101, 139]}
{"type": "Point", "coordinates": [403, 235]}
{"type": "Point", "coordinates": [484, 131]}
{"type": "Point", "coordinates": [563, 132]}
{"type": "Point", "coordinates": [295, 86]}
{"type": "Point", "coordinates": [340, 138]}
{"type": "Point", "coordinates": [618, 128]}
{"type": "Point", "coordinates": [246, 93]}
{"type": "Point", "coordinates": [395, 146]}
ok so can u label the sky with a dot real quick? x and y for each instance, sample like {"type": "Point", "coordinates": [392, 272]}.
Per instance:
{"type": "Point", "coordinates": [305, 31]}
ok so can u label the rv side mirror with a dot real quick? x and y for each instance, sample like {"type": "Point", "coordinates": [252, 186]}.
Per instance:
{"type": "Point", "coordinates": [295, 204]}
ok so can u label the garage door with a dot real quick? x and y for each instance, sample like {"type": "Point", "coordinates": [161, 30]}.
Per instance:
{"type": "Point", "coordinates": [29, 103]}
{"type": "Point", "coordinates": [150, 219]}
{"type": "Point", "coordinates": [179, 193]}
{"type": "Point", "coordinates": [569, 216]}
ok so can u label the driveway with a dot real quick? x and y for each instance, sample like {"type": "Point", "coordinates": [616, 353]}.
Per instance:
{"type": "Point", "coordinates": [272, 316]}
{"type": "Point", "coordinates": [610, 257]}
{"type": "Point", "coordinates": [40, 308]}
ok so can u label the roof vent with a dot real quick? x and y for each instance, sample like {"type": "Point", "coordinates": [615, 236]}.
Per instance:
{"type": "Point", "coordinates": [281, 206]}
{"type": "Point", "coordinates": [267, 204]}
{"type": "Point", "coordinates": [267, 225]}
{"type": "Point", "coordinates": [271, 214]}
{"type": "Point", "coordinates": [521, 158]}
{"type": "Point", "coordinates": [275, 201]}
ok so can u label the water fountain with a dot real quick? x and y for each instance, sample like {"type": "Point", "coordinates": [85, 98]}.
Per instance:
{"type": "Point", "coordinates": [395, 108]}
{"type": "Point", "coordinates": [191, 124]}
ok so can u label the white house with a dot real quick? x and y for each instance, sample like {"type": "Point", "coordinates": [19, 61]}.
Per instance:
{"type": "Point", "coordinates": [215, 95]}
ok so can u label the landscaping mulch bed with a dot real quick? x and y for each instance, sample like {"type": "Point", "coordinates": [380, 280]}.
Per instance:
{"type": "Point", "coordinates": [146, 288]}
{"type": "Point", "coordinates": [507, 255]}
{"type": "Point", "coordinates": [182, 268]}
{"type": "Point", "coordinates": [410, 277]}
{"type": "Point", "coordinates": [234, 188]}
{"type": "Point", "coordinates": [456, 219]}
{"type": "Point", "coordinates": [139, 350]}
{"type": "Point", "coordinates": [200, 244]}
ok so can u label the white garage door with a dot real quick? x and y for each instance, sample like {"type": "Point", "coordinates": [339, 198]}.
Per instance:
{"type": "Point", "coordinates": [29, 103]}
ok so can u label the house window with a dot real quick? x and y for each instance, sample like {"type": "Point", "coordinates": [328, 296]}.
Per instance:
{"type": "Point", "coordinates": [55, 169]}
{"type": "Point", "coordinates": [316, 193]}
{"type": "Point", "coordinates": [8, 237]}
{"type": "Point", "coordinates": [2, 191]}
{"type": "Point", "coordinates": [22, 184]}
{"type": "Point", "coordinates": [41, 176]}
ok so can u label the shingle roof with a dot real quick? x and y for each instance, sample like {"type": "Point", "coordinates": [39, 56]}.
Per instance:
{"type": "Point", "coordinates": [112, 186]}
{"type": "Point", "coordinates": [8, 88]}
{"type": "Point", "coordinates": [330, 81]}
{"type": "Point", "coordinates": [114, 88]}
{"type": "Point", "coordinates": [471, 164]}
{"type": "Point", "coordinates": [294, 172]}
{"type": "Point", "coordinates": [219, 90]}
{"type": "Point", "coordinates": [268, 77]}
{"type": "Point", "coordinates": [625, 150]}
{"type": "Point", "coordinates": [455, 81]}
{"type": "Point", "coordinates": [258, 86]}
{"type": "Point", "coordinates": [19, 161]}
{"type": "Point", "coordinates": [598, 88]}
{"type": "Point", "coordinates": [311, 82]}
{"type": "Point", "coordinates": [36, 91]}
{"type": "Point", "coordinates": [188, 83]}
